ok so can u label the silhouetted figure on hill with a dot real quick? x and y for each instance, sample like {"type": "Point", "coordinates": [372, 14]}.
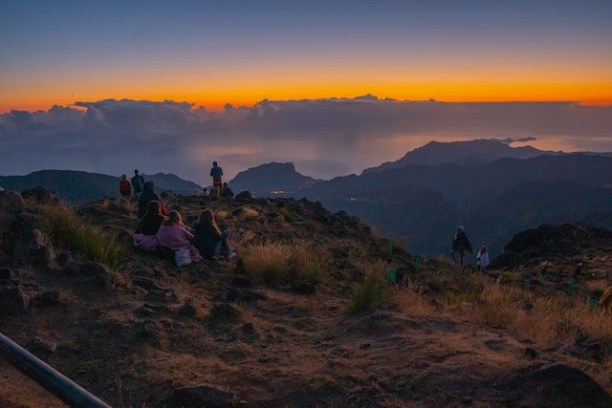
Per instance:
{"type": "Point", "coordinates": [137, 182]}
{"type": "Point", "coordinates": [125, 188]}
{"type": "Point", "coordinates": [460, 246]}
{"type": "Point", "coordinates": [217, 174]}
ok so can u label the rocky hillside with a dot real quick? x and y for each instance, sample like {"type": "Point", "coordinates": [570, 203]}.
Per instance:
{"type": "Point", "coordinates": [316, 310]}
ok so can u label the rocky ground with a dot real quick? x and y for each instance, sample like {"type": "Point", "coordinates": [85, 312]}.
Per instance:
{"type": "Point", "coordinates": [150, 334]}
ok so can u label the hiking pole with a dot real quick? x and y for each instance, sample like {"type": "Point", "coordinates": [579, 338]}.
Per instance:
{"type": "Point", "coordinates": [48, 377]}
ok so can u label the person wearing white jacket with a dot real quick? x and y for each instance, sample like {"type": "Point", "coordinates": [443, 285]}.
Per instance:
{"type": "Point", "coordinates": [482, 258]}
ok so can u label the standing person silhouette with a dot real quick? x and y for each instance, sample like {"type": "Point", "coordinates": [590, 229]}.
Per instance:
{"type": "Point", "coordinates": [460, 246]}
{"type": "Point", "coordinates": [125, 188]}
{"type": "Point", "coordinates": [137, 182]}
{"type": "Point", "coordinates": [217, 173]}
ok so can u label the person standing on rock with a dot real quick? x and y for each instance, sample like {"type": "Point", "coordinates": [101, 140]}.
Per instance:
{"type": "Point", "coordinates": [217, 174]}
{"type": "Point", "coordinates": [461, 245]}
{"type": "Point", "coordinates": [137, 182]}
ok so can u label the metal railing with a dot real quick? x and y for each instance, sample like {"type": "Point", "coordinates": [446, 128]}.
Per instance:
{"type": "Point", "coordinates": [48, 377]}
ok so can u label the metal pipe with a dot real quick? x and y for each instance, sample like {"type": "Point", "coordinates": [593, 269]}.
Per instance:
{"type": "Point", "coordinates": [45, 375]}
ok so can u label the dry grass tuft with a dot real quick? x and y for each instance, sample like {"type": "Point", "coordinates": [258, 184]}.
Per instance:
{"type": "Point", "coordinates": [541, 318]}
{"type": "Point", "coordinates": [249, 212]}
{"type": "Point", "coordinates": [280, 262]}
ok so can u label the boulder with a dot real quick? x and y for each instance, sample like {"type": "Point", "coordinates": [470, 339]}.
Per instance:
{"type": "Point", "coordinates": [41, 196]}
{"type": "Point", "coordinates": [11, 204]}
{"type": "Point", "coordinates": [244, 196]}
{"type": "Point", "coordinates": [557, 385]}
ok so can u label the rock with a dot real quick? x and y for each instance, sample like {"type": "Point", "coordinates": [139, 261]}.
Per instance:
{"type": "Point", "coordinates": [240, 268]}
{"type": "Point", "coordinates": [147, 283]}
{"type": "Point", "coordinates": [530, 353]}
{"type": "Point", "coordinates": [11, 204]}
{"type": "Point", "coordinates": [41, 196]}
{"type": "Point", "coordinates": [38, 346]}
{"type": "Point", "coordinates": [244, 196]}
{"type": "Point", "coordinates": [248, 332]}
{"type": "Point", "coordinates": [237, 211]}
{"type": "Point", "coordinates": [237, 294]}
{"type": "Point", "coordinates": [187, 309]}
{"type": "Point", "coordinates": [49, 298]}
{"type": "Point", "coordinates": [204, 396]}
{"type": "Point", "coordinates": [242, 281]}
{"type": "Point", "coordinates": [592, 349]}
{"type": "Point", "coordinates": [223, 313]}
{"type": "Point", "coordinates": [557, 385]}
{"type": "Point", "coordinates": [164, 296]}
{"type": "Point", "coordinates": [13, 300]}
{"type": "Point", "coordinates": [303, 287]}
{"type": "Point", "coordinates": [98, 274]}
{"type": "Point", "coordinates": [37, 248]}
{"type": "Point", "coordinates": [7, 276]}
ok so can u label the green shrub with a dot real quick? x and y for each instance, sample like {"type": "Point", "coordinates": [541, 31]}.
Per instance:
{"type": "Point", "coordinates": [287, 214]}
{"type": "Point", "coordinates": [369, 294]}
{"type": "Point", "coordinates": [69, 231]}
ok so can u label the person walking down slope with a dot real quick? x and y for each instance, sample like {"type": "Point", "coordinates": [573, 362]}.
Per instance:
{"type": "Point", "coordinates": [137, 182]}
{"type": "Point", "coordinates": [216, 173]}
{"type": "Point", "coordinates": [482, 259]}
{"type": "Point", "coordinates": [125, 188]}
{"type": "Point", "coordinates": [460, 246]}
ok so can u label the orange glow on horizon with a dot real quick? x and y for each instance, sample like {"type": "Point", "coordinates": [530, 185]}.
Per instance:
{"type": "Point", "coordinates": [247, 95]}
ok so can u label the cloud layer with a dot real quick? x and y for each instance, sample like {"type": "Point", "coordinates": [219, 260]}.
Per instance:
{"type": "Point", "coordinates": [323, 137]}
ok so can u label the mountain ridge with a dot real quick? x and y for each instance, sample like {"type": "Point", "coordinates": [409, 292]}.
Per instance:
{"type": "Point", "coordinates": [82, 187]}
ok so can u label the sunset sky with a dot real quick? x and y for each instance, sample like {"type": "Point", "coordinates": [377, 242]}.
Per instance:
{"type": "Point", "coordinates": [210, 53]}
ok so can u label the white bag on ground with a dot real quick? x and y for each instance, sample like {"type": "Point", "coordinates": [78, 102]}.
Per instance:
{"type": "Point", "coordinates": [182, 257]}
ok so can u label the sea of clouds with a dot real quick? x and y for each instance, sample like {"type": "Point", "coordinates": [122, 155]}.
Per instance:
{"type": "Point", "coordinates": [324, 137]}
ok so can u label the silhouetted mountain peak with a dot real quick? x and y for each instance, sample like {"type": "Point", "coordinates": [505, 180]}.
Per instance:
{"type": "Point", "coordinates": [272, 179]}
{"type": "Point", "coordinates": [467, 153]}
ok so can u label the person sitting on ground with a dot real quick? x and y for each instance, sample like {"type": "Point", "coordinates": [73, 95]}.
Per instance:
{"type": "Point", "coordinates": [125, 188]}
{"type": "Point", "coordinates": [148, 194]}
{"type": "Point", "coordinates": [482, 258]}
{"type": "Point", "coordinates": [137, 182]}
{"type": "Point", "coordinates": [145, 236]}
{"type": "Point", "coordinates": [208, 238]}
{"type": "Point", "coordinates": [460, 246]}
{"type": "Point", "coordinates": [226, 191]}
{"type": "Point", "coordinates": [173, 235]}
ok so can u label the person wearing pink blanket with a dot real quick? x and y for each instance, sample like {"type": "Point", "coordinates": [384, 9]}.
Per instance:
{"type": "Point", "coordinates": [173, 235]}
